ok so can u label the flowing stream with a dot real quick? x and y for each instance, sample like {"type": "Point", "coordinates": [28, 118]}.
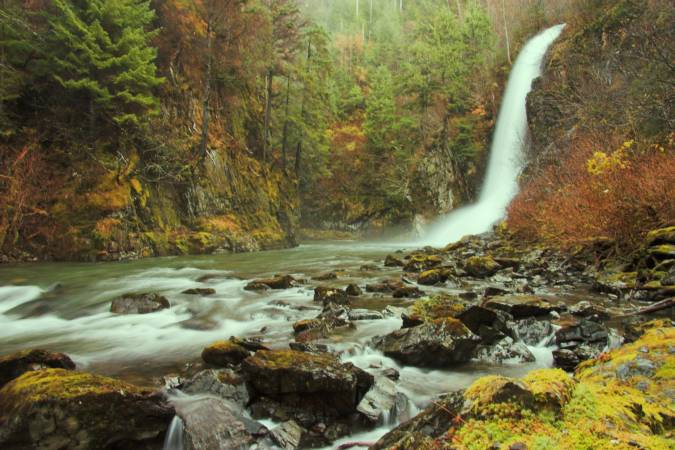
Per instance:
{"type": "Point", "coordinates": [506, 152]}
{"type": "Point", "coordinates": [66, 307]}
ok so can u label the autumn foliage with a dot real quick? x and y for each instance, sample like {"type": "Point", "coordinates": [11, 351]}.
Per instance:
{"type": "Point", "coordinates": [618, 190]}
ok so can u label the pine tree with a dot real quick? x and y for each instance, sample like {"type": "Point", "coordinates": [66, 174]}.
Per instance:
{"type": "Point", "coordinates": [100, 49]}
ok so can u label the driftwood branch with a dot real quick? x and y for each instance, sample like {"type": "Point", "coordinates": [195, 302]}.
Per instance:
{"type": "Point", "coordinates": [349, 445]}
{"type": "Point", "coordinates": [660, 306]}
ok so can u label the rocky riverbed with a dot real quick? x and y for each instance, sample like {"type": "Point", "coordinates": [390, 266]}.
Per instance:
{"type": "Point", "coordinates": [578, 348]}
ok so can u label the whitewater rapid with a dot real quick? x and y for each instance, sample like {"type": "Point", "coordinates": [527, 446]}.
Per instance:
{"type": "Point", "coordinates": [506, 153]}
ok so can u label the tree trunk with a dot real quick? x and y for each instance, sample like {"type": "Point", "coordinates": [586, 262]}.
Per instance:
{"type": "Point", "coordinates": [298, 149]}
{"type": "Point", "coordinates": [284, 141]}
{"type": "Point", "coordinates": [207, 94]}
{"type": "Point", "coordinates": [268, 115]}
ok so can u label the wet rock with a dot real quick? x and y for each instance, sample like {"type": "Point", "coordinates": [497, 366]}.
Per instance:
{"type": "Point", "coordinates": [407, 292]}
{"type": "Point", "coordinates": [505, 350]}
{"type": "Point", "coordinates": [314, 382]}
{"type": "Point", "coordinates": [57, 408]}
{"type": "Point", "coordinates": [224, 353]}
{"type": "Point", "coordinates": [354, 290]}
{"type": "Point", "coordinates": [224, 383]}
{"type": "Point", "coordinates": [280, 282]}
{"type": "Point", "coordinates": [420, 263]}
{"type": "Point", "coordinates": [494, 290]}
{"type": "Point", "coordinates": [328, 295]}
{"type": "Point", "coordinates": [370, 267]}
{"type": "Point", "coordinates": [512, 263]}
{"type": "Point", "coordinates": [309, 348]}
{"type": "Point", "coordinates": [431, 423]}
{"type": "Point", "coordinates": [386, 287]}
{"type": "Point", "coordinates": [391, 373]}
{"type": "Point", "coordinates": [215, 423]}
{"type": "Point", "coordinates": [199, 323]}
{"type": "Point", "coordinates": [364, 314]}
{"type": "Point", "coordinates": [14, 365]}
{"type": "Point", "coordinates": [392, 261]}
{"type": "Point", "coordinates": [534, 332]}
{"type": "Point", "coordinates": [590, 311]}
{"type": "Point", "coordinates": [252, 344]}
{"type": "Point", "coordinates": [522, 306]}
{"type": "Point", "coordinates": [637, 367]}
{"type": "Point", "coordinates": [436, 307]}
{"type": "Point", "coordinates": [566, 359]}
{"type": "Point", "coordinates": [439, 343]}
{"type": "Point", "coordinates": [584, 332]}
{"type": "Point", "coordinates": [615, 282]}
{"type": "Point", "coordinates": [139, 304]}
{"type": "Point", "coordinates": [481, 266]}
{"type": "Point", "coordinates": [380, 401]}
{"type": "Point", "coordinates": [288, 435]}
{"type": "Point", "coordinates": [474, 316]}
{"type": "Point", "coordinates": [200, 291]}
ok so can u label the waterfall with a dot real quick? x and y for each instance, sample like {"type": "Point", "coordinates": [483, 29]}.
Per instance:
{"type": "Point", "coordinates": [174, 436]}
{"type": "Point", "coordinates": [506, 152]}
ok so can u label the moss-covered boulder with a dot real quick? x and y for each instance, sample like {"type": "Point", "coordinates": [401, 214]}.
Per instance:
{"type": "Point", "coordinates": [421, 262]}
{"type": "Point", "coordinates": [392, 261]}
{"type": "Point", "coordinates": [523, 306]}
{"type": "Point", "coordinates": [16, 364]}
{"type": "Point", "coordinates": [439, 343]}
{"type": "Point", "coordinates": [139, 304]}
{"type": "Point", "coordinates": [326, 295]}
{"type": "Point", "coordinates": [59, 409]}
{"type": "Point", "coordinates": [224, 353]}
{"type": "Point", "coordinates": [481, 266]}
{"type": "Point", "coordinates": [434, 276]}
{"type": "Point", "coordinates": [314, 382]}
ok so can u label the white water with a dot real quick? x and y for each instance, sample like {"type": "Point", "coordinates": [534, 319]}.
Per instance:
{"type": "Point", "coordinates": [506, 153]}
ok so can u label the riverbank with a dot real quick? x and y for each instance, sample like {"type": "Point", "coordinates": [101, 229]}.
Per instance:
{"type": "Point", "coordinates": [397, 328]}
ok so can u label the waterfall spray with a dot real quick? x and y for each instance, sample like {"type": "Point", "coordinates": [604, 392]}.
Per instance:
{"type": "Point", "coordinates": [506, 152]}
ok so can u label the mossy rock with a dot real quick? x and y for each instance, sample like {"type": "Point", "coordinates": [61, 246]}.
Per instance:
{"type": "Point", "coordinates": [14, 365]}
{"type": "Point", "coordinates": [419, 263]}
{"type": "Point", "coordinates": [433, 276]}
{"type": "Point", "coordinates": [437, 307]}
{"type": "Point", "coordinates": [481, 266]}
{"type": "Point", "coordinates": [495, 395]}
{"type": "Point", "coordinates": [57, 408]}
{"type": "Point", "coordinates": [552, 388]}
{"type": "Point", "coordinates": [139, 304]}
{"type": "Point", "coordinates": [224, 353]}
{"type": "Point", "coordinates": [661, 236]}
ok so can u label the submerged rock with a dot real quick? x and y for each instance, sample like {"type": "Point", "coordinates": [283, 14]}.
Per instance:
{"type": "Point", "coordinates": [439, 343]}
{"type": "Point", "coordinates": [139, 304]}
{"type": "Point", "coordinates": [505, 350]}
{"type": "Point", "coordinates": [224, 353]}
{"type": "Point", "coordinates": [200, 291]}
{"type": "Point", "coordinates": [14, 365]}
{"type": "Point", "coordinates": [354, 290]}
{"type": "Point", "coordinates": [57, 408]}
{"type": "Point", "coordinates": [314, 382]}
{"type": "Point", "coordinates": [224, 383]}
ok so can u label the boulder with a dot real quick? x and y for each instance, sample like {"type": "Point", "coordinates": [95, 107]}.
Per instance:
{"type": "Point", "coordinates": [326, 277]}
{"type": "Point", "coordinates": [224, 383]}
{"type": "Point", "coordinates": [215, 423]}
{"type": "Point", "coordinates": [421, 263]}
{"type": "Point", "coordinates": [200, 291]}
{"type": "Point", "coordinates": [407, 292]}
{"type": "Point", "coordinates": [552, 388]}
{"type": "Point", "coordinates": [431, 423]}
{"type": "Point", "coordinates": [378, 405]}
{"type": "Point", "coordinates": [224, 353]}
{"type": "Point", "coordinates": [139, 304]}
{"type": "Point", "coordinates": [533, 331]}
{"type": "Point", "coordinates": [279, 282]}
{"type": "Point", "coordinates": [522, 306]}
{"type": "Point", "coordinates": [57, 408]}
{"type": "Point", "coordinates": [364, 314]}
{"type": "Point", "coordinates": [588, 310]}
{"type": "Point", "coordinates": [438, 343]}
{"type": "Point", "coordinates": [481, 266]}
{"type": "Point", "coordinates": [474, 316]}
{"type": "Point", "coordinates": [288, 435]}
{"type": "Point", "coordinates": [14, 365]}
{"type": "Point", "coordinates": [354, 290]}
{"type": "Point", "coordinates": [584, 332]}
{"type": "Point", "coordinates": [392, 261]}
{"type": "Point", "coordinates": [315, 382]}
{"type": "Point", "coordinates": [328, 295]}
{"type": "Point", "coordinates": [486, 395]}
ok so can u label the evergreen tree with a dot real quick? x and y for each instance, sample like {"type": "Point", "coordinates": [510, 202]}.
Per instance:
{"type": "Point", "coordinates": [101, 50]}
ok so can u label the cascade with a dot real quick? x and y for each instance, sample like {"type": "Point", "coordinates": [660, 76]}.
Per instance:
{"type": "Point", "coordinates": [506, 153]}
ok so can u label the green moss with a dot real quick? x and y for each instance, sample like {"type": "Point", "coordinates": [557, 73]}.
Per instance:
{"type": "Point", "coordinates": [437, 307]}
{"type": "Point", "coordinates": [291, 359]}
{"type": "Point", "coordinates": [551, 387]}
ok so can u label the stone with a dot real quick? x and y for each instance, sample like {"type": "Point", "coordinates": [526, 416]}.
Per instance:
{"type": "Point", "coordinates": [224, 353]}
{"type": "Point", "coordinates": [391, 373]}
{"type": "Point", "coordinates": [481, 266]}
{"type": "Point", "coordinates": [200, 291]}
{"type": "Point", "coordinates": [533, 331]}
{"type": "Point", "coordinates": [306, 380]}
{"type": "Point", "coordinates": [522, 306]}
{"type": "Point", "coordinates": [58, 408]}
{"type": "Point", "coordinates": [139, 304]}
{"type": "Point", "coordinates": [215, 423]}
{"type": "Point", "coordinates": [14, 365]}
{"type": "Point", "coordinates": [584, 332]}
{"type": "Point", "coordinates": [326, 277]}
{"type": "Point", "coordinates": [407, 292]}
{"type": "Point", "coordinates": [433, 422]}
{"type": "Point", "coordinates": [328, 295]}
{"type": "Point", "coordinates": [380, 401]}
{"type": "Point", "coordinates": [438, 343]}
{"type": "Point", "coordinates": [483, 397]}
{"type": "Point", "coordinates": [590, 311]}
{"type": "Point", "coordinates": [505, 350]}
{"type": "Point", "coordinates": [354, 290]}
{"type": "Point", "coordinates": [392, 261]}
{"type": "Point", "coordinates": [474, 316]}
{"type": "Point", "coordinates": [224, 383]}
{"type": "Point", "coordinates": [288, 435]}
{"type": "Point", "coordinates": [364, 314]}
{"type": "Point", "coordinates": [421, 263]}
{"type": "Point", "coordinates": [279, 282]}
{"type": "Point", "coordinates": [309, 348]}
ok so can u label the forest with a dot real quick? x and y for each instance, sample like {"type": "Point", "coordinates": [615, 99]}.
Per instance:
{"type": "Point", "coordinates": [337, 224]}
